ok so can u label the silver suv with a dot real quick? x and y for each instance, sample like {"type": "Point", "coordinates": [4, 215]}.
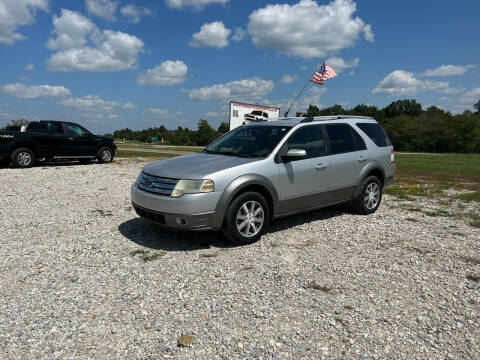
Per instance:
{"type": "Point", "coordinates": [260, 172]}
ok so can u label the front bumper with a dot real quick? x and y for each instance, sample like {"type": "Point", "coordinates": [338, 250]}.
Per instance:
{"type": "Point", "coordinates": [187, 212]}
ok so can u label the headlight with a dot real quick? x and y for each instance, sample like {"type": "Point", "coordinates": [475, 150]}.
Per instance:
{"type": "Point", "coordinates": [192, 187]}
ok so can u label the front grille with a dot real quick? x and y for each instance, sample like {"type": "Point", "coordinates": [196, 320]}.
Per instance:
{"type": "Point", "coordinates": [156, 185]}
{"type": "Point", "coordinates": [149, 214]}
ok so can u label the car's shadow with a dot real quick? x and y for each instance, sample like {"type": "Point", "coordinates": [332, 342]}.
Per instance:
{"type": "Point", "coordinates": [150, 235]}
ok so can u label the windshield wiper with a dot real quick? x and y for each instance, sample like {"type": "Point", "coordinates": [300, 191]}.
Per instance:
{"type": "Point", "coordinates": [229, 153]}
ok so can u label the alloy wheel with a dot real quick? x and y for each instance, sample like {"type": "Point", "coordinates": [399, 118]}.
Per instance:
{"type": "Point", "coordinates": [371, 196]}
{"type": "Point", "coordinates": [250, 218]}
{"type": "Point", "coordinates": [24, 158]}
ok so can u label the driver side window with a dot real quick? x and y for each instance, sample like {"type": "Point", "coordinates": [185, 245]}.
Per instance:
{"type": "Point", "coordinates": [310, 139]}
{"type": "Point", "coordinates": [75, 130]}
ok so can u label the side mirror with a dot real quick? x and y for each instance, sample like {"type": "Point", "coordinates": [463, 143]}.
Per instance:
{"type": "Point", "coordinates": [294, 154]}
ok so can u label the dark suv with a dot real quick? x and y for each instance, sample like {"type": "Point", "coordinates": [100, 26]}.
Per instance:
{"type": "Point", "coordinates": [54, 140]}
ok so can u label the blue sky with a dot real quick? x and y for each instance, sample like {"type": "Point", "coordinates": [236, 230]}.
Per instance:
{"type": "Point", "coordinates": [110, 64]}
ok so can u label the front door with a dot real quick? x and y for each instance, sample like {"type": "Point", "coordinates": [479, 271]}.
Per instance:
{"type": "Point", "coordinates": [304, 182]}
{"type": "Point", "coordinates": [79, 141]}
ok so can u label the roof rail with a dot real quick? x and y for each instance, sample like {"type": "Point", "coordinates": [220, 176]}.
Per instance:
{"type": "Point", "coordinates": [333, 117]}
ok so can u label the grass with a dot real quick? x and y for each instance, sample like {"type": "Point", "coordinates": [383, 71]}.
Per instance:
{"type": "Point", "coordinates": [166, 148]}
{"type": "Point", "coordinates": [463, 164]}
{"type": "Point", "coordinates": [430, 175]}
{"type": "Point", "coordinates": [146, 256]}
{"type": "Point", "coordinates": [450, 179]}
{"type": "Point", "coordinates": [145, 154]}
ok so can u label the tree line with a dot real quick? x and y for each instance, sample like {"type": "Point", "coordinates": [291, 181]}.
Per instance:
{"type": "Point", "coordinates": [409, 127]}
{"type": "Point", "coordinates": [413, 129]}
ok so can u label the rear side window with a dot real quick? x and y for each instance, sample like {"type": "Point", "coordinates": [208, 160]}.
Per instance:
{"type": "Point", "coordinates": [359, 143]}
{"type": "Point", "coordinates": [37, 127]}
{"type": "Point", "coordinates": [375, 133]}
{"type": "Point", "coordinates": [340, 138]}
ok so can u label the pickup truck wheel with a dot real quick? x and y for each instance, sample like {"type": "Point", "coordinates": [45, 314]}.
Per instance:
{"type": "Point", "coordinates": [105, 155]}
{"type": "Point", "coordinates": [23, 158]}
{"type": "Point", "coordinates": [247, 218]}
{"type": "Point", "coordinates": [368, 200]}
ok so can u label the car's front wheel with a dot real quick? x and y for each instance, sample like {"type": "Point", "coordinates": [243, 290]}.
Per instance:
{"type": "Point", "coordinates": [23, 158]}
{"type": "Point", "coordinates": [105, 155]}
{"type": "Point", "coordinates": [370, 196]}
{"type": "Point", "coordinates": [247, 218]}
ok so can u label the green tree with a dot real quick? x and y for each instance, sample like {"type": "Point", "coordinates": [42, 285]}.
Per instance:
{"type": "Point", "coordinates": [205, 133]}
{"type": "Point", "coordinates": [403, 107]}
{"type": "Point", "coordinates": [477, 106]}
{"type": "Point", "coordinates": [223, 128]}
{"type": "Point", "coordinates": [312, 111]}
{"type": "Point", "coordinates": [20, 122]}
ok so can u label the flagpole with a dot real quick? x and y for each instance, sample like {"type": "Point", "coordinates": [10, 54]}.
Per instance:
{"type": "Point", "coordinates": [294, 101]}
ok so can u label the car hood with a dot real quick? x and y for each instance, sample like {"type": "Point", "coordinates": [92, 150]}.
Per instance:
{"type": "Point", "coordinates": [194, 166]}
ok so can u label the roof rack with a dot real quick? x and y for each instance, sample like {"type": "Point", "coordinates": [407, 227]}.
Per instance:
{"type": "Point", "coordinates": [333, 117]}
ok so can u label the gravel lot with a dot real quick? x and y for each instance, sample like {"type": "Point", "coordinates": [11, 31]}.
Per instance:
{"type": "Point", "coordinates": [81, 276]}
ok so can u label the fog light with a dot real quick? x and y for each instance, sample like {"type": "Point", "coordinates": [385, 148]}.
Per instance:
{"type": "Point", "coordinates": [181, 221]}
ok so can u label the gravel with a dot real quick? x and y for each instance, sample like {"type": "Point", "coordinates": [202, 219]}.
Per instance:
{"type": "Point", "coordinates": [81, 276]}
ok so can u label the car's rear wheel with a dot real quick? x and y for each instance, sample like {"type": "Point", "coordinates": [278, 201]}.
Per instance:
{"type": "Point", "coordinates": [370, 196]}
{"type": "Point", "coordinates": [23, 158]}
{"type": "Point", "coordinates": [247, 218]}
{"type": "Point", "coordinates": [105, 155]}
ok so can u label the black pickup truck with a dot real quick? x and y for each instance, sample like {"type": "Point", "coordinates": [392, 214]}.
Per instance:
{"type": "Point", "coordinates": [54, 140]}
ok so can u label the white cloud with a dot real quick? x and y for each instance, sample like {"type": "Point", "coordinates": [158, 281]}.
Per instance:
{"type": "Point", "coordinates": [288, 79]}
{"type": "Point", "coordinates": [197, 4]}
{"type": "Point", "coordinates": [471, 97]}
{"type": "Point", "coordinates": [16, 13]}
{"type": "Point", "coordinates": [239, 34]}
{"type": "Point", "coordinates": [134, 13]}
{"type": "Point", "coordinates": [22, 91]}
{"type": "Point", "coordinates": [404, 83]}
{"type": "Point", "coordinates": [29, 67]}
{"type": "Point", "coordinates": [312, 97]}
{"type": "Point", "coordinates": [167, 73]}
{"type": "Point", "coordinates": [251, 89]}
{"type": "Point", "coordinates": [83, 47]}
{"type": "Point", "coordinates": [157, 112]}
{"type": "Point", "coordinates": [104, 9]}
{"type": "Point", "coordinates": [340, 64]}
{"type": "Point", "coordinates": [307, 29]}
{"type": "Point", "coordinates": [71, 29]}
{"type": "Point", "coordinates": [213, 34]}
{"type": "Point", "coordinates": [448, 70]}
{"type": "Point", "coordinates": [95, 104]}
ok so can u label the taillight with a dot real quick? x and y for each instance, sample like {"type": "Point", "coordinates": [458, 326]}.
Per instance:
{"type": "Point", "coordinates": [392, 156]}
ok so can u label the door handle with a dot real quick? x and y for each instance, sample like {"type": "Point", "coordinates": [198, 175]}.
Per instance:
{"type": "Point", "coordinates": [320, 167]}
{"type": "Point", "coordinates": [70, 138]}
{"type": "Point", "coordinates": [362, 159]}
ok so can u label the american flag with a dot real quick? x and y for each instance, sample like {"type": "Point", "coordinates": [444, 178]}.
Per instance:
{"type": "Point", "coordinates": [322, 73]}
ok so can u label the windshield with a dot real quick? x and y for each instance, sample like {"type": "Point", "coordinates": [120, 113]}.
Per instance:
{"type": "Point", "coordinates": [249, 141]}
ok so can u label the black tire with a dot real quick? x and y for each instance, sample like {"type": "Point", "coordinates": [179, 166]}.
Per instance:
{"type": "Point", "coordinates": [102, 155]}
{"type": "Point", "coordinates": [230, 228]}
{"type": "Point", "coordinates": [23, 158]}
{"type": "Point", "coordinates": [366, 202]}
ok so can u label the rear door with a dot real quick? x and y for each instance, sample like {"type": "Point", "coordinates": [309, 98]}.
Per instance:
{"type": "Point", "coordinates": [348, 153]}
{"type": "Point", "coordinates": [303, 183]}
{"type": "Point", "coordinates": [39, 131]}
